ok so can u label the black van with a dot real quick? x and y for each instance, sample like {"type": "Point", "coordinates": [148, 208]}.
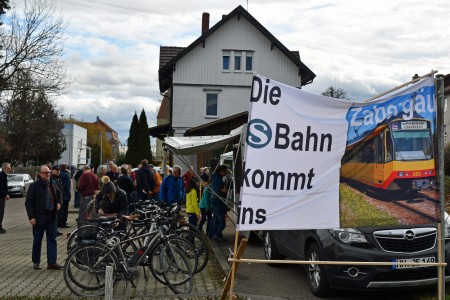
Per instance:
{"type": "Point", "coordinates": [376, 244]}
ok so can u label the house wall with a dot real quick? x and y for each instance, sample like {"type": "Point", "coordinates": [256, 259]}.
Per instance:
{"type": "Point", "coordinates": [201, 70]}
{"type": "Point", "coordinates": [76, 139]}
{"type": "Point", "coordinates": [190, 105]}
{"type": "Point", "coordinates": [205, 64]}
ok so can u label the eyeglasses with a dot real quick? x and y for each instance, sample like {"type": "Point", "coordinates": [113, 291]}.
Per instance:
{"type": "Point", "coordinates": [48, 172]}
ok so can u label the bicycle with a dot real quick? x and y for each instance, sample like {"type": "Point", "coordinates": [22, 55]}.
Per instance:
{"type": "Point", "coordinates": [165, 254]}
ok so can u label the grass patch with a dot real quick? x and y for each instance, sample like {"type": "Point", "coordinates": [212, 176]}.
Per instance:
{"type": "Point", "coordinates": [355, 211]}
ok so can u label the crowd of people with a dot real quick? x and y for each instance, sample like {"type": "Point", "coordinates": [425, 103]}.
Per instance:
{"type": "Point", "coordinates": [110, 192]}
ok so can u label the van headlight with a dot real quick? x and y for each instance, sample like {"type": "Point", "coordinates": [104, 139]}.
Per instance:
{"type": "Point", "coordinates": [348, 235]}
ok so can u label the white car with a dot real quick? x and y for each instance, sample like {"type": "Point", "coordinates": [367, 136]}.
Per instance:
{"type": "Point", "coordinates": [18, 184]}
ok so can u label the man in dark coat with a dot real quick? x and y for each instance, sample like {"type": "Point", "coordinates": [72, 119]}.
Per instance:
{"type": "Point", "coordinates": [145, 181]}
{"type": "Point", "coordinates": [113, 174]}
{"type": "Point", "coordinates": [42, 204]}
{"type": "Point", "coordinates": [64, 178]}
{"type": "Point", "coordinates": [6, 169]}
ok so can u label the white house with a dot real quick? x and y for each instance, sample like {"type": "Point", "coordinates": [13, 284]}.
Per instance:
{"type": "Point", "coordinates": [211, 78]}
{"type": "Point", "coordinates": [77, 153]}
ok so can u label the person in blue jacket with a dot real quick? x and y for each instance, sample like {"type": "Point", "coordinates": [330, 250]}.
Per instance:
{"type": "Point", "coordinates": [172, 187]}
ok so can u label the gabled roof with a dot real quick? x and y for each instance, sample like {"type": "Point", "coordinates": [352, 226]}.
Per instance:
{"type": "Point", "coordinates": [165, 71]}
{"type": "Point", "coordinates": [164, 109]}
{"type": "Point", "coordinates": [104, 125]}
{"type": "Point", "coordinates": [166, 53]}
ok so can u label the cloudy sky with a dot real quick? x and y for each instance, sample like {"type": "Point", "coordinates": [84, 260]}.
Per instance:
{"type": "Point", "coordinates": [364, 47]}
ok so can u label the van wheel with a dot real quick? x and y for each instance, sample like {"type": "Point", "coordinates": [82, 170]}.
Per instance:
{"type": "Point", "coordinates": [270, 249]}
{"type": "Point", "coordinates": [316, 275]}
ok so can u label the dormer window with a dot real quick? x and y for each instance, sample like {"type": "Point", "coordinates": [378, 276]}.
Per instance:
{"type": "Point", "coordinates": [248, 61]}
{"type": "Point", "coordinates": [237, 61]}
{"type": "Point", "coordinates": [226, 61]}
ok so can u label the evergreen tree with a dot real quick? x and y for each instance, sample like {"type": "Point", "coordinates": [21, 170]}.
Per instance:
{"type": "Point", "coordinates": [144, 138]}
{"type": "Point", "coordinates": [133, 156]}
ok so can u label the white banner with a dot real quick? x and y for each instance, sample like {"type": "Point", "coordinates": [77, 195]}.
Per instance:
{"type": "Point", "coordinates": [294, 145]}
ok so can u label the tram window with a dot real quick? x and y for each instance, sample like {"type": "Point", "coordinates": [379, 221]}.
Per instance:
{"type": "Point", "coordinates": [368, 151]}
{"type": "Point", "coordinates": [379, 148]}
{"type": "Point", "coordinates": [412, 141]}
{"type": "Point", "coordinates": [388, 154]}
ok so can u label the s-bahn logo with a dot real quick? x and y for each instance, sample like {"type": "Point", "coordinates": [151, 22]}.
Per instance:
{"type": "Point", "coordinates": [259, 133]}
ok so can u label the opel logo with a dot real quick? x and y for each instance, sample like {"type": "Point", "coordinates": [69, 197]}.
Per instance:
{"type": "Point", "coordinates": [409, 235]}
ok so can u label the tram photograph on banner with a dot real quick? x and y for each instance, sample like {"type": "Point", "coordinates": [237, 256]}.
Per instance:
{"type": "Point", "coordinates": [396, 160]}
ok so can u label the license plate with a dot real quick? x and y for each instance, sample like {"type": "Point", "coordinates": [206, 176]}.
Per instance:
{"type": "Point", "coordinates": [412, 260]}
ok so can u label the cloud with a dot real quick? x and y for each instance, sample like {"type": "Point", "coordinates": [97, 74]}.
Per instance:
{"type": "Point", "coordinates": [112, 51]}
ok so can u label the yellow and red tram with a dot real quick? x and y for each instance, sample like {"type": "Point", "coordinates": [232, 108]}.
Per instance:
{"type": "Point", "coordinates": [397, 156]}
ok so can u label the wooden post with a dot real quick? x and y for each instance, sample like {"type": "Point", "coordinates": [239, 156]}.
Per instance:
{"type": "Point", "coordinates": [440, 268]}
{"type": "Point", "coordinates": [230, 278]}
{"type": "Point", "coordinates": [109, 284]}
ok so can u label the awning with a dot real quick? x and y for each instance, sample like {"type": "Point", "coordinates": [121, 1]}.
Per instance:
{"type": "Point", "coordinates": [160, 131]}
{"type": "Point", "coordinates": [189, 145]}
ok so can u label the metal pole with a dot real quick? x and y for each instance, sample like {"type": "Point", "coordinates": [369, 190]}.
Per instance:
{"type": "Point", "coordinates": [439, 84]}
{"type": "Point", "coordinates": [101, 142]}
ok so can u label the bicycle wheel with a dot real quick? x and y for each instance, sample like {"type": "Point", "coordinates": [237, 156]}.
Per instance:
{"type": "Point", "coordinates": [177, 270]}
{"type": "Point", "coordinates": [84, 269]}
{"type": "Point", "coordinates": [129, 248]}
{"type": "Point", "coordinates": [72, 241]}
{"type": "Point", "coordinates": [199, 243]}
{"type": "Point", "coordinates": [156, 264]}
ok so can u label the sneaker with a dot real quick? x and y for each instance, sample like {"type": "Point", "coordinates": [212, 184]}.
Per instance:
{"type": "Point", "coordinates": [2, 231]}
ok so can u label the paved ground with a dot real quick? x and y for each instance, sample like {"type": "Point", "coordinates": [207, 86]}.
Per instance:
{"type": "Point", "coordinates": [254, 281]}
{"type": "Point", "coordinates": [17, 278]}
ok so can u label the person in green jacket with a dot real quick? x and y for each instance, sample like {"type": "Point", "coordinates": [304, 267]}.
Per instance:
{"type": "Point", "coordinates": [206, 210]}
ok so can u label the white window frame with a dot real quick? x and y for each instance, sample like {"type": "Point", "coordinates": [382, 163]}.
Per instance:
{"type": "Point", "coordinates": [214, 92]}
{"type": "Point", "coordinates": [236, 54]}
{"type": "Point", "coordinates": [230, 61]}
{"type": "Point", "coordinates": [249, 54]}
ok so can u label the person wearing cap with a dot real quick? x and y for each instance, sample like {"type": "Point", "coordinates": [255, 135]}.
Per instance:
{"type": "Point", "coordinates": [55, 177]}
{"type": "Point", "coordinates": [87, 185]}
{"type": "Point", "coordinates": [64, 177]}
{"type": "Point", "coordinates": [111, 200]}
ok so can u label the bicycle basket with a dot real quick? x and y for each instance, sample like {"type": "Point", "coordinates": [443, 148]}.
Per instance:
{"type": "Point", "coordinates": [88, 229]}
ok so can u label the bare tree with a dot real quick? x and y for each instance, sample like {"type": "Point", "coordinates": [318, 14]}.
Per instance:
{"type": "Point", "coordinates": [33, 41]}
{"type": "Point", "coordinates": [336, 93]}
{"type": "Point", "coordinates": [30, 126]}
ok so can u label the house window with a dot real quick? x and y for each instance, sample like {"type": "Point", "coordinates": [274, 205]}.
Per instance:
{"type": "Point", "coordinates": [226, 61]}
{"type": "Point", "coordinates": [237, 62]}
{"type": "Point", "coordinates": [211, 104]}
{"type": "Point", "coordinates": [249, 61]}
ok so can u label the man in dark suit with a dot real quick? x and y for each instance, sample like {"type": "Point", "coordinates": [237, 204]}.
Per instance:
{"type": "Point", "coordinates": [42, 204]}
{"type": "Point", "coordinates": [6, 169]}
{"type": "Point", "coordinates": [64, 177]}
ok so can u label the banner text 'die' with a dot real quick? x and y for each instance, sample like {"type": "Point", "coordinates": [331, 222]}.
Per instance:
{"type": "Point", "coordinates": [295, 142]}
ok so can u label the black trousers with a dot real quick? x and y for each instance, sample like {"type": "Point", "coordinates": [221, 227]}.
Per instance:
{"type": "Point", "coordinates": [63, 213]}
{"type": "Point", "coordinates": [2, 211]}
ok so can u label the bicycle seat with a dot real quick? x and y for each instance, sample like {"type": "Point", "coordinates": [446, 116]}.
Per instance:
{"type": "Point", "coordinates": [107, 218]}
{"type": "Point", "coordinates": [109, 223]}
